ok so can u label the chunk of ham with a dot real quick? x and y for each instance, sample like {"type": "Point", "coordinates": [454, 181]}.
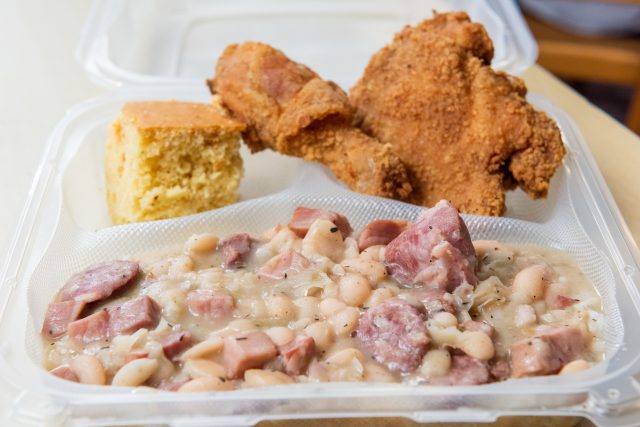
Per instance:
{"type": "Point", "coordinates": [99, 281]}
{"type": "Point", "coordinates": [303, 218]}
{"type": "Point", "coordinates": [138, 313]}
{"type": "Point", "coordinates": [65, 373]}
{"type": "Point", "coordinates": [297, 355]}
{"type": "Point", "coordinates": [141, 312]}
{"type": "Point", "coordinates": [395, 334]}
{"type": "Point", "coordinates": [465, 370]}
{"type": "Point", "coordinates": [243, 352]}
{"type": "Point", "coordinates": [235, 249]}
{"type": "Point", "coordinates": [380, 232]}
{"type": "Point", "coordinates": [290, 262]}
{"type": "Point", "coordinates": [58, 317]}
{"type": "Point", "coordinates": [210, 304]}
{"type": "Point", "coordinates": [91, 328]}
{"type": "Point", "coordinates": [435, 252]}
{"type": "Point", "coordinates": [547, 352]}
{"type": "Point", "coordinates": [176, 343]}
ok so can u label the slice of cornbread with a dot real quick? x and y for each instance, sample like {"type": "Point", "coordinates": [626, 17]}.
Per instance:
{"type": "Point", "coordinates": [168, 158]}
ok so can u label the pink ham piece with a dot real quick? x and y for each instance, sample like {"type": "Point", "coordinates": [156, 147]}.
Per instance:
{"type": "Point", "coordinates": [303, 218]}
{"type": "Point", "coordinates": [380, 232]}
{"type": "Point", "coordinates": [138, 313]}
{"type": "Point", "coordinates": [91, 328]}
{"type": "Point", "coordinates": [560, 302]}
{"type": "Point", "coordinates": [248, 351]}
{"type": "Point", "coordinates": [176, 343]}
{"type": "Point", "coordinates": [436, 251]}
{"type": "Point", "coordinates": [547, 352]}
{"type": "Point", "coordinates": [465, 370]}
{"type": "Point", "coordinates": [284, 265]}
{"type": "Point", "coordinates": [297, 355]}
{"type": "Point", "coordinates": [135, 355]}
{"type": "Point", "coordinates": [65, 373]}
{"type": "Point", "coordinates": [99, 281]}
{"type": "Point", "coordinates": [141, 312]}
{"type": "Point", "coordinates": [210, 304]}
{"type": "Point", "coordinates": [58, 317]}
{"type": "Point", "coordinates": [235, 249]}
{"type": "Point", "coordinates": [395, 334]}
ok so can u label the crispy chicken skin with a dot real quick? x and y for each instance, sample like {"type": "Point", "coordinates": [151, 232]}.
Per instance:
{"type": "Point", "coordinates": [287, 107]}
{"type": "Point", "coordinates": [465, 131]}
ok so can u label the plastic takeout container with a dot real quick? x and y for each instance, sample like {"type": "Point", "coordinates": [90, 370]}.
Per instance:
{"type": "Point", "coordinates": [165, 49]}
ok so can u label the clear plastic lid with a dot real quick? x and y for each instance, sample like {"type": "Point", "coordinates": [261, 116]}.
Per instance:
{"type": "Point", "coordinates": [177, 42]}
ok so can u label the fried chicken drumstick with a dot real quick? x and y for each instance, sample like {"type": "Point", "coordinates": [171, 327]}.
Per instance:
{"type": "Point", "coordinates": [465, 131]}
{"type": "Point", "coordinates": [287, 107]}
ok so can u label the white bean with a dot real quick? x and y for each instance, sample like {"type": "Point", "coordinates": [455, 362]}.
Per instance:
{"type": "Point", "coordinates": [435, 363]}
{"type": "Point", "coordinates": [135, 373]}
{"type": "Point", "coordinates": [345, 321]}
{"type": "Point", "coordinates": [528, 285]}
{"type": "Point", "coordinates": [242, 325]}
{"type": "Point", "coordinates": [378, 296]}
{"type": "Point", "coordinates": [280, 335]}
{"type": "Point", "coordinates": [323, 239]}
{"type": "Point", "coordinates": [346, 365]}
{"type": "Point", "coordinates": [374, 271]}
{"type": "Point", "coordinates": [354, 289]}
{"type": "Point", "coordinates": [575, 366]}
{"type": "Point", "coordinates": [445, 319]}
{"type": "Point", "coordinates": [197, 368]}
{"type": "Point", "coordinates": [476, 344]}
{"type": "Point", "coordinates": [322, 334]}
{"type": "Point", "coordinates": [180, 265]}
{"type": "Point", "coordinates": [209, 346]}
{"type": "Point", "coordinates": [307, 307]}
{"type": "Point", "coordinates": [206, 384]}
{"type": "Point", "coordinates": [204, 242]}
{"type": "Point", "coordinates": [263, 378]}
{"type": "Point", "coordinates": [328, 306]}
{"type": "Point", "coordinates": [88, 369]}
{"type": "Point", "coordinates": [372, 253]}
{"type": "Point", "coordinates": [280, 307]}
{"type": "Point", "coordinates": [377, 374]}
{"type": "Point", "coordinates": [525, 315]}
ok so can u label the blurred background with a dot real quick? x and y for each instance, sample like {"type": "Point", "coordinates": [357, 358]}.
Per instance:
{"type": "Point", "coordinates": [594, 46]}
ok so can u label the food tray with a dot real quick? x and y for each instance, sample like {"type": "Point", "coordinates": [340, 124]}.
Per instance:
{"type": "Point", "coordinates": [65, 227]}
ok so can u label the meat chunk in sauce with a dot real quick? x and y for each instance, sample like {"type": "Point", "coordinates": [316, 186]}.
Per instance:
{"type": "Point", "coordinates": [99, 281]}
{"type": "Point", "coordinates": [395, 334]}
{"type": "Point", "coordinates": [91, 328]}
{"type": "Point", "coordinates": [290, 262]}
{"type": "Point", "coordinates": [465, 370]}
{"type": "Point", "coordinates": [59, 315]}
{"type": "Point", "coordinates": [380, 232]}
{"type": "Point", "coordinates": [547, 352]}
{"type": "Point", "coordinates": [435, 300]}
{"type": "Point", "coordinates": [436, 251]}
{"type": "Point", "coordinates": [303, 218]}
{"type": "Point", "coordinates": [176, 343]}
{"type": "Point", "coordinates": [297, 355]}
{"type": "Point", "coordinates": [138, 313]}
{"type": "Point", "coordinates": [65, 373]}
{"type": "Point", "coordinates": [210, 304]}
{"type": "Point", "coordinates": [248, 351]}
{"type": "Point", "coordinates": [141, 312]}
{"type": "Point", "coordinates": [235, 249]}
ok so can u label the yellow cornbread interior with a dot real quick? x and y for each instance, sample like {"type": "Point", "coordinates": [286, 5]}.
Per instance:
{"type": "Point", "coordinates": [167, 158]}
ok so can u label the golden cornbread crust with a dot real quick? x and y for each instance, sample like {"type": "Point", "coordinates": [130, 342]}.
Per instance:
{"type": "Point", "coordinates": [167, 158]}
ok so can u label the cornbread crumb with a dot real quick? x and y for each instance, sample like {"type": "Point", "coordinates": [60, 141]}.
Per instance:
{"type": "Point", "coordinates": [168, 158]}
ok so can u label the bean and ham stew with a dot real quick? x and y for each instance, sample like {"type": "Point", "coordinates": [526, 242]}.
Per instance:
{"type": "Point", "coordinates": [418, 303]}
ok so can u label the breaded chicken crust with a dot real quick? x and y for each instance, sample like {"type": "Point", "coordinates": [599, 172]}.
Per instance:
{"type": "Point", "coordinates": [465, 131]}
{"type": "Point", "coordinates": [288, 108]}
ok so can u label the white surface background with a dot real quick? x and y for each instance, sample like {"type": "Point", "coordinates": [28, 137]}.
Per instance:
{"type": "Point", "coordinates": [39, 80]}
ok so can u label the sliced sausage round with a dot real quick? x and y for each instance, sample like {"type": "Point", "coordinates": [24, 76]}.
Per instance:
{"type": "Point", "coordinates": [99, 281]}
{"type": "Point", "coordinates": [394, 332]}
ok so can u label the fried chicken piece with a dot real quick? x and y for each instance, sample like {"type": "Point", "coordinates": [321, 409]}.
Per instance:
{"type": "Point", "coordinates": [287, 107]}
{"type": "Point", "coordinates": [465, 131]}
